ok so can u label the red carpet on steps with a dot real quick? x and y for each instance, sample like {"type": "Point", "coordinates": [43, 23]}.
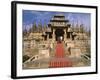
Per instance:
{"type": "Point", "coordinates": [59, 60]}
{"type": "Point", "coordinates": [59, 50]}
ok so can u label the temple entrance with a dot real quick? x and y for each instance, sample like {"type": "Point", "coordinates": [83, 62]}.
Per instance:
{"type": "Point", "coordinates": [59, 33]}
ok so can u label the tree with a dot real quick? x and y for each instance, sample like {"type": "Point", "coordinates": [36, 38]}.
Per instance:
{"type": "Point", "coordinates": [30, 30]}
{"type": "Point", "coordinates": [45, 27]}
{"type": "Point", "coordinates": [34, 27]}
{"type": "Point", "coordinates": [76, 28]}
{"type": "Point", "coordinates": [25, 32]}
{"type": "Point", "coordinates": [89, 33]}
{"type": "Point", "coordinates": [82, 28]}
{"type": "Point", "coordinates": [39, 27]}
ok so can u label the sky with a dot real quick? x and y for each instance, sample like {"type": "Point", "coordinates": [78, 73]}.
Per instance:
{"type": "Point", "coordinates": [44, 17]}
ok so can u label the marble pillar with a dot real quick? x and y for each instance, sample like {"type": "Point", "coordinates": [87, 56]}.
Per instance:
{"type": "Point", "coordinates": [47, 36]}
{"type": "Point", "coordinates": [70, 35]}
{"type": "Point", "coordinates": [65, 34]}
{"type": "Point", "coordinates": [53, 35]}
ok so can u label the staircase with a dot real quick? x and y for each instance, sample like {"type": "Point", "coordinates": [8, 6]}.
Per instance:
{"type": "Point", "coordinates": [59, 59]}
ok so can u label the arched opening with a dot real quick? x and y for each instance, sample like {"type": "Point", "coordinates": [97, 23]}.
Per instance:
{"type": "Point", "coordinates": [59, 32]}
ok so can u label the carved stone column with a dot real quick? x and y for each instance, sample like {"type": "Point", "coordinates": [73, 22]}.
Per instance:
{"type": "Point", "coordinates": [53, 34]}
{"type": "Point", "coordinates": [65, 34]}
{"type": "Point", "coordinates": [47, 36]}
{"type": "Point", "coordinates": [70, 35]}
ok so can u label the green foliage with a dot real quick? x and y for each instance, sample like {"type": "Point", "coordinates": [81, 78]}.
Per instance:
{"type": "Point", "coordinates": [24, 32]}
{"type": "Point", "coordinates": [34, 27]}
{"type": "Point", "coordinates": [39, 27]}
{"type": "Point", "coordinates": [82, 30]}
{"type": "Point", "coordinates": [25, 57]}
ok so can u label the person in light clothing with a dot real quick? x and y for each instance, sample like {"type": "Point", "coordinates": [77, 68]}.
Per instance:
{"type": "Point", "coordinates": [61, 38]}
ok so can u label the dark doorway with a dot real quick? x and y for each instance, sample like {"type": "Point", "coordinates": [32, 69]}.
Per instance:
{"type": "Point", "coordinates": [59, 33]}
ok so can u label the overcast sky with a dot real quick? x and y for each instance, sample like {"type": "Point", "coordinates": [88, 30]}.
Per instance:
{"type": "Point", "coordinates": [43, 17]}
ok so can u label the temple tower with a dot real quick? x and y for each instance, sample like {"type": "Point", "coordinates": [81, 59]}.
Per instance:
{"type": "Point", "coordinates": [60, 27]}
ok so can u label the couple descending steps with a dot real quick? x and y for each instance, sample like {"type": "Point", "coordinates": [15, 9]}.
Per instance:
{"type": "Point", "coordinates": [59, 60]}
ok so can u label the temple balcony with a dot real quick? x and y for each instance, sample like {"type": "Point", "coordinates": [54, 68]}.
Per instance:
{"type": "Point", "coordinates": [58, 24]}
{"type": "Point", "coordinates": [58, 18]}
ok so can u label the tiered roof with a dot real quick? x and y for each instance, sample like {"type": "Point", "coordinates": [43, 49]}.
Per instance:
{"type": "Point", "coordinates": [58, 21]}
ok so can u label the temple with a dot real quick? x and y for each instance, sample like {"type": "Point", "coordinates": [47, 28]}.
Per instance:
{"type": "Point", "coordinates": [59, 27]}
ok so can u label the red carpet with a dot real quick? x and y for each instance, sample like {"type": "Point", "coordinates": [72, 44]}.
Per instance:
{"type": "Point", "coordinates": [57, 62]}
{"type": "Point", "coordinates": [60, 60]}
{"type": "Point", "coordinates": [59, 50]}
